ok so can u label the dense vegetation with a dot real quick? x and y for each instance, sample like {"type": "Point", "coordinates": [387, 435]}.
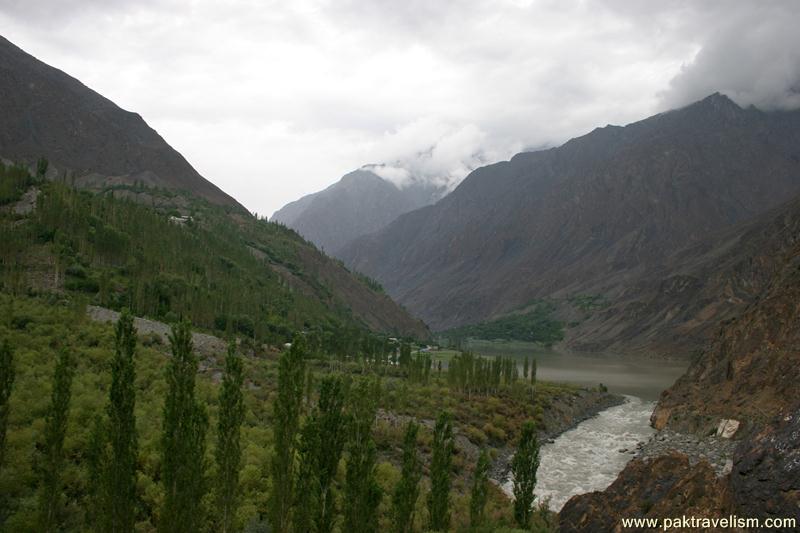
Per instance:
{"type": "Point", "coordinates": [333, 400]}
{"type": "Point", "coordinates": [227, 273]}
{"type": "Point", "coordinates": [536, 325]}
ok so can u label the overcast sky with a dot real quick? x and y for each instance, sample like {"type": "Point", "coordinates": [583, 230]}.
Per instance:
{"type": "Point", "coordinates": [272, 100]}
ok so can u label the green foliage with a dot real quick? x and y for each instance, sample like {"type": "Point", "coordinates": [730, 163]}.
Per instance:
{"type": "Point", "coordinates": [588, 302]}
{"type": "Point", "coordinates": [53, 447]}
{"type": "Point", "coordinates": [183, 439]}
{"type": "Point", "coordinates": [406, 491]}
{"type": "Point", "coordinates": [228, 452]}
{"type": "Point", "coordinates": [239, 276]}
{"type": "Point", "coordinates": [121, 472]}
{"type": "Point", "coordinates": [322, 440]}
{"type": "Point", "coordinates": [362, 494]}
{"type": "Point", "coordinates": [524, 466]}
{"type": "Point", "coordinates": [536, 325]}
{"type": "Point", "coordinates": [480, 491]}
{"type": "Point", "coordinates": [14, 180]}
{"type": "Point", "coordinates": [7, 376]}
{"type": "Point", "coordinates": [441, 465]}
{"type": "Point", "coordinates": [287, 408]}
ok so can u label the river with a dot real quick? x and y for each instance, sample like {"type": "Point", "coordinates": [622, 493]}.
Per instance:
{"type": "Point", "coordinates": [590, 456]}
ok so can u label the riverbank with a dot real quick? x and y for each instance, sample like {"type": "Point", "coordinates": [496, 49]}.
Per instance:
{"type": "Point", "coordinates": [716, 451]}
{"type": "Point", "coordinates": [562, 415]}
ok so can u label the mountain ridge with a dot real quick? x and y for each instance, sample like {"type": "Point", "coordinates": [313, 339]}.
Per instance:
{"type": "Point", "coordinates": [538, 225]}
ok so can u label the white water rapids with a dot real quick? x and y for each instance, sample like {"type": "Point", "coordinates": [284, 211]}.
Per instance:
{"type": "Point", "coordinates": [587, 457]}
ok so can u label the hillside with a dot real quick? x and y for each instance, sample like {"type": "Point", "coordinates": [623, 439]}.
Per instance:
{"type": "Point", "coordinates": [47, 113]}
{"type": "Point", "coordinates": [360, 203]}
{"type": "Point", "coordinates": [747, 373]}
{"type": "Point", "coordinates": [539, 226]}
{"type": "Point", "coordinates": [233, 274]}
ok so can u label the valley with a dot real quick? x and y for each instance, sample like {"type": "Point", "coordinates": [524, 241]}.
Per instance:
{"type": "Point", "coordinates": [449, 338]}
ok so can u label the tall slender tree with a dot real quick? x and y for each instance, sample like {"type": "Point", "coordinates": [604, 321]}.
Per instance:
{"type": "Point", "coordinates": [121, 474]}
{"type": "Point", "coordinates": [54, 432]}
{"type": "Point", "coordinates": [228, 452]}
{"type": "Point", "coordinates": [362, 494]}
{"type": "Point", "coordinates": [441, 464]}
{"type": "Point", "coordinates": [407, 490]}
{"type": "Point", "coordinates": [525, 368]}
{"type": "Point", "coordinates": [321, 441]}
{"type": "Point", "coordinates": [533, 372]}
{"type": "Point", "coordinates": [7, 376]}
{"type": "Point", "coordinates": [183, 441]}
{"type": "Point", "coordinates": [480, 491]}
{"type": "Point", "coordinates": [524, 466]}
{"type": "Point", "coordinates": [287, 409]}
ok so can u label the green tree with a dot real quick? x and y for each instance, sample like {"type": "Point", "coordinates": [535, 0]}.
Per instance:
{"type": "Point", "coordinates": [533, 372]}
{"type": "Point", "coordinates": [441, 464]}
{"type": "Point", "coordinates": [7, 376]}
{"type": "Point", "coordinates": [122, 429]}
{"type": "Point", "coordinates": [480, 491]}
{"type": "Point", "coordinates": [524, 466]}
{"type": "Point", "coordinates": [287, 409]}
{"type": "Point", "coordinates": [54, 431]}
{"type": "Point", "coordinates": [407, 490]}
{"type": "Point", "coordinates": [321, 442]}
{"type": "Point", "coordinates": [228, 451]}
{"type": "Point", "coordinates": [183, 441]}
{"type": "Point", "coordinates": [525, 367]}
{"type": "Point", "coordinates": [362, 494]}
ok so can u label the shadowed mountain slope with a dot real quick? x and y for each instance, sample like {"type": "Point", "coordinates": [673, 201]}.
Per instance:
{"type": "Point", "coordinates": [47, 113]}
{"type": "Point", "coordinates": [599, 215]}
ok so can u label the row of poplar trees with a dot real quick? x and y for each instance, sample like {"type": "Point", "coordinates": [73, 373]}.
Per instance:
{"type": "Point", "coordinates": [113, 449]}
{"type": "Point", "coordinates": [309, 443]}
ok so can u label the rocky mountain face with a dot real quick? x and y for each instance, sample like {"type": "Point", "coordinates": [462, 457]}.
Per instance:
{"type": "Point", "coordinates": [46, 113]}
{"type": "Point", "coordinates": [360, 203]}
{"type": "Point", "coordinates": [604, 214]}
{"type": "Point", "coordinates": [747, 375]}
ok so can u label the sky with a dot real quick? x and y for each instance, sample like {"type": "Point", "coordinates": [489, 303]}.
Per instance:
{"type": "Point", "coordinates": [272, 100]}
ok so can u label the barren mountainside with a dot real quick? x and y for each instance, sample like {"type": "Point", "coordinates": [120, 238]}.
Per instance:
{"type": "Point", "coordinates": [47, 113]}
{"type": "Point", "coordinates": [603, 214]}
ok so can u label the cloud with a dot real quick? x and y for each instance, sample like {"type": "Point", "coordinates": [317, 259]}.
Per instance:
{"type": "Point", "coordinates": [753, 56]}
{"type": "Point", "coordinates": [272, 100]}
{"type": "Point", "coordinates": [432, 152]}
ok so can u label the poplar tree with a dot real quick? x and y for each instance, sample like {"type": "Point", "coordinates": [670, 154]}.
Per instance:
{"type": "Point", "coordinates": [321, 442]}
{"type": "Point", "coordinates": [362, 494]}
{"type": "Point", "coordinates": [228, 452]}
{"type": "Point", "coordinates": [480, 491]}
{"type": "Point", "coordinates": [7, 377]}
{"type": "Point", "coordinates": [524, 466]}
{"type": "Point", "coordinates": [525, 368]}
{"type": "Point", "coordinates": [183, 439]}
{"type": "Point", "coordinates": [54, 431]}
{"type": "Point", "coordinates": [407, 490]}
{"type": "Point", "coordinates": [533, 372]}
{"type": "Point", "coordinates": [441, 464]}
{"type": "Point", "coordinates": [287, 409]}
{"type": "Point", "coordinates": [121, 473]}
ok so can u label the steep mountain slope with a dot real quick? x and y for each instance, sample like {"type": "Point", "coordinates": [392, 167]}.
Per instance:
{"type": "Point", "coordinates": [360, 203]}
{"type": "Point", "coordinates": [749, 373]}
{"type": "Point", "coordinates": [593, 216]}
{"type": "Point", "coordinates": [47, 113]}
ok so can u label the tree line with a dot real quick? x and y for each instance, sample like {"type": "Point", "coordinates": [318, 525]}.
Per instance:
{"type": "Point", "coordinates": [311, 439]}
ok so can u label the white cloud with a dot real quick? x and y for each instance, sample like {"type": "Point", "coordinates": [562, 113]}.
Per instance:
{"type": "Point", "coordinates": [272, 100]}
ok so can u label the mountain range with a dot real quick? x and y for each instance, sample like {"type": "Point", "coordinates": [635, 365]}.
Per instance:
{"type": "Point", "coordinates": [361, 202]}
{"type": "Point", "coordinates": [618, 214]}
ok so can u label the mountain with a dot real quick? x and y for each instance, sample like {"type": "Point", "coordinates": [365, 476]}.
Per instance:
{"type": "Point", "coordinates": [361, 202]}
{"type": "Point", "coordinates": [601, 215]}
{"type": "Point", "coordinates": [182, 247]}
{"type": "Point", "coordinates": [748, 373]}
{"type": "Point", "coordinates": [47, 113]}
